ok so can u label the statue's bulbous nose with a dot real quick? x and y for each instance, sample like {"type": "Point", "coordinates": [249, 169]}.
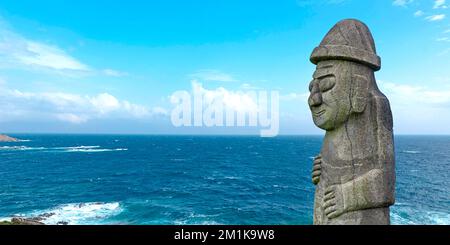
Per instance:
{"type": "Point", "coordinates": [315, 98]}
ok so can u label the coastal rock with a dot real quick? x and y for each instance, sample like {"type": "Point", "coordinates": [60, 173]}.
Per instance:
{"type": "Point", "coordinates": [6, 138]}
{"type": "Point", "coordinates": [354, 173]}
{"type": "Point", "coordinates": [24, 221]}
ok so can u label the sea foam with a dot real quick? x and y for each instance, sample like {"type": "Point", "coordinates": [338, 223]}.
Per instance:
{"type": "Point", "coordinates": [77, 213]}
{"type": "Point", "coordinates": [92, 148]}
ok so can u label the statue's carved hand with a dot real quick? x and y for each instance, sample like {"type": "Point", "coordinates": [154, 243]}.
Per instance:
{"type": "Point", "coordinates": [333, 201]}
{"type": "Point", "coordinates": [317, 169]}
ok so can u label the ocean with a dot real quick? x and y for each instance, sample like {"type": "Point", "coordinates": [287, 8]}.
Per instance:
{"type": "Point", "coordinates": [131, 179]}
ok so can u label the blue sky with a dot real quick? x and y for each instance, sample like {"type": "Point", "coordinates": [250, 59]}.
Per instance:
{"type": "Point", "coordinates": [111, 66]}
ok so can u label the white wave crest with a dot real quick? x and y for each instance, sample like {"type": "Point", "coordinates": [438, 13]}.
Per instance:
{"type": "Point", "coordinates": [21, 148]}
{"type": "Point", "coordinates": [232, 177]}
{"type": "Point", "coordinates": [78, 147]}
{"type": "Point", "coordinates": [78, 213]}
{"type": "Point", "coordinates": [96, 150]}
{"type": "Point", "coordinates": [83, 148]}
{"type": "Point", "coordinates": [411, 152]}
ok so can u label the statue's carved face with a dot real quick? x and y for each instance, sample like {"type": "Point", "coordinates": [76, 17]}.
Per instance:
{"type": "Point", "coordinates": [330, 98]}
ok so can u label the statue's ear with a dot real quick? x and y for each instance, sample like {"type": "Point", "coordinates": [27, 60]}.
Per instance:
{"type": "Point", "coordinates": [360, 93]}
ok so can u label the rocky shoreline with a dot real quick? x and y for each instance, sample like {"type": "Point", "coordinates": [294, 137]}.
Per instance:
{"type": "Point", "coordinates": [37, 220]}
{"type": "Point", "coordinates": [6, 138]}
{"type": "Point", "coordinates": [21, 221]}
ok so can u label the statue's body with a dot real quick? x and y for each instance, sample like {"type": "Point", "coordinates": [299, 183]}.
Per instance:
{"type": "Point", "coordinates": [354, 172]}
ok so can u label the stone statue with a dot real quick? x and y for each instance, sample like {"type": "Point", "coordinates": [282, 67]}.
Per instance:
{"type": "Point", "coordinates": [354, 173]}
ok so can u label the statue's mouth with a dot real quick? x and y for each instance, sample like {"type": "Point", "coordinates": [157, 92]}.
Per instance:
{"type": "Point", "coordinates": [318, 113]}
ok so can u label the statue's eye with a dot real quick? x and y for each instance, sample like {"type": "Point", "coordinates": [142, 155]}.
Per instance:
{"type": "Point", "coordinates": [327, 83]}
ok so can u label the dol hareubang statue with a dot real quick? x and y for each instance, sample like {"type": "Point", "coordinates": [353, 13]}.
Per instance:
{"type": "Point", "coordinates": [355, 170]}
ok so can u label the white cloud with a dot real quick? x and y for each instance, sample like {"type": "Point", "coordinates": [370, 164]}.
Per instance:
{"type": "Point", "coordinates": [416, 96]}
{"type": "Point", "coordinates": [439, 4]}
{"type": "Point", "coordinates": [67, 107]}
{"type": "Point", "coordinates": [105, 103]}
{"type": "Point", "coordinates": [437, 17]}
{"type": "Point", "coordinates": [418, 13]}
{"type": "Point", "coordinates": [16, 50]}
{"type": "Point", "coordinates": [213, 75]}
{"type": "Point", "coordinates": [39, 54]}
{"type": "Point", "coordinates": [401, 2]}
{"type": "Point", "coordinates": [114, 73]}
{"type": "Point", "coordinates": [418, 109]}
{"type": "Point", "coordinates": [234, 100]}
{"type": "Point", "coordinates": [443, 39]}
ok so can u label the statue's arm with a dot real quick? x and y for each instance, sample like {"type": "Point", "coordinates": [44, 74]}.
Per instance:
{"type": "Point", "coordinates": [371, 190]}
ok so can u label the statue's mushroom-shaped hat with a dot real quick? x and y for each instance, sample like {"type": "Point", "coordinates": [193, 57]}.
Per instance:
{"type": "Point", "coordinates": [348, 40]}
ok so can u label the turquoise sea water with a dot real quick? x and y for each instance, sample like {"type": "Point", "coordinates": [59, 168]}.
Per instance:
{"type": "Point", "coordinates": [119, 179]}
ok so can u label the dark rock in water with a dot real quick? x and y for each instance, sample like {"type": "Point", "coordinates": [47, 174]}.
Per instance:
{"type": "Point", "coordinates": [6, 138]}
{"type": "Point", "coordinates": [41, 217]}
{"type": "Point", "coordinates": [46, 215]}
{"type": "Point", "coordinates": [24, 221]}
